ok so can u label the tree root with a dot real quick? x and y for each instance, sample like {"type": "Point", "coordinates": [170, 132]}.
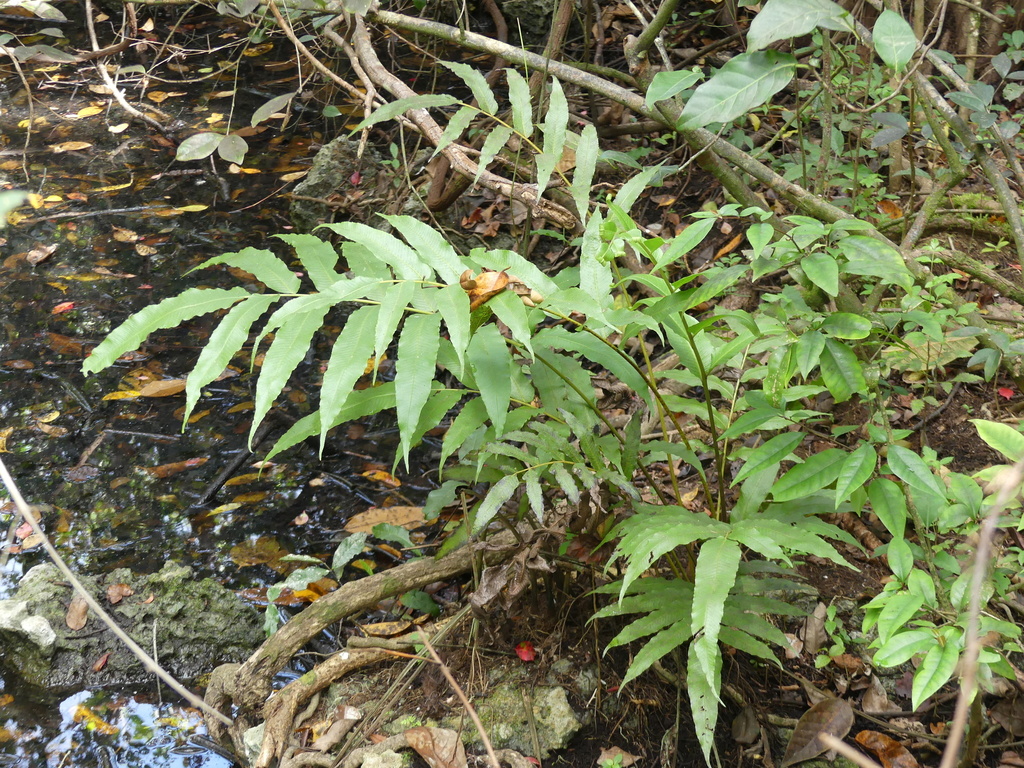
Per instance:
{"type": "Point", "coordinates": [248, 685]}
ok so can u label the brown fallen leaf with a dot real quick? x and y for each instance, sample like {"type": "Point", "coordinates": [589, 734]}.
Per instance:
{"type": "Point", "coordinates": [164, 388]}
{"type": "Point", "coordinates": [831, 716]}
{"type": "Point", "coordinates": [440, 747]}
{"type": "Point", "coordinates": [78, 613]}
{"type": "Point", "coordinates": [118, 592]}
{"type": "Point", "coordinates": [403, 516]}
{"type": "Point", "coordinates": [890, 752]}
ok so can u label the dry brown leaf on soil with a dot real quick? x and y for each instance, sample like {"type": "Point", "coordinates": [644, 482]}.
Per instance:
{"type": "Point", "coordinates": [118, 592]}
{"type": "Point", "coordinates": [814, 635]}
{"type": "Point", "coordinates": [78, 613]}
{"type": "Point", "coordinates": [1009, 713]}
{"type": "Point", "coordinates": [616, 755]}
{"type": "Point", "coordinates": [889, 752]}
{"type": "Point", "coordinates": [876, 699]}
{"type": "Point", "coordinates": [440, 747]}
{"type": "Point", "coordinates": [831, 716]}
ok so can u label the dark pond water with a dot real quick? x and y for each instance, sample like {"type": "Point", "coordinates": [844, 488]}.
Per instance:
{"type": "Point", "coordinates": [124, 486]}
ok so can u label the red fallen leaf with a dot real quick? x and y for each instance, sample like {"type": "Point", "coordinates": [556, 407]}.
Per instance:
{"type": "Point", "coordinates": [64, 306]}
{"type": "Point", "coordinates": [525, 651]}
{"type": "Point", "coordinates": [890, 752]}
{"type": "Point", "coordinates": [534, 760]}
{"type": "Point", "coordinates": [355, 178]}
{"type": "Point", "coordinates": [1005, 392]}
{"type": "Point", "coordinates": [101, 662]}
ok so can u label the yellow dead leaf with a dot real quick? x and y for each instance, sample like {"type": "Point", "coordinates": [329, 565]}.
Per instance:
{"type": "Point", "coordinates": [403, 516]}
{"type": "Point", "coordinates": [90, 111]}
{"type": "Point", "coordinates": [69, 146]}
{"type": "Point", "coordinates": [164, 388]}
{"type": "Point", "coordinates": [35, 200]}
{"type": "Point", "coordinates": [119, 128]}
{"type": "Point", "coordinates": [191, 208]}
{"type": "Point", "coordinates": [113, 187]}
{"type": "Point", "coordinates": [383, 477]}
{"type": "Point", "coordinates": [124, 394]}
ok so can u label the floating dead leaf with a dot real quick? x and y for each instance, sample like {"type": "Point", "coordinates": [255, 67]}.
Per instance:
{"type": "Point", "coordinates": [831, 716]}
{"type": "Point", "coordinates": [52, 431]}
{"type": "Point", "coordinates": [169, 470]}
{"type": "Point", "coordinates": [69, 146]}
{"type": "Point", "coordinates": [264, 551]}
{"type": "Point", "coordinates": [118, 592]}
{"type": "Point", "coordinates": [122, 394]}
{"type": "Point", "coordinates": [64, 306]}
{"type": "Point", "coordinates": [19, 365]}
{"type": "Point", "coordinates": [63, 345]}
{"type": "Point", "coordinates": [484, 286]}
{"type": "Point", "coordinates": [93, 722]}
{"type": "Point", "coordinates": [251, 477]}
{"type": "Point", "coordinates": [119, 128]}
{"type": "Point", "coordinates": [403, 516]}
{"type": "Point", "coordinates": [81, 474]}
{"type": "Point", "coordinates": [144, 250]}
{"type": "Point", "coordinates": [159, 97]}
{"type": "Point", "coordinates": [78, 613]}
{"type": "Point", "coordinates": [250, 498]}
{"type": "Point", "coordinates": [890, 752]}
{"type": "Point", "coordinates": [123, 235]}
{"type": "Point", "coordinates": [6, 699]}
{"type": "Point", "coordinates": [315, 590]}
{"type": "Point", "coordinates": [5, 433]}
{"type": "Point", "coordinates": [440, 747]}
{"type": "Point", "coordinates": [164, 388]}
{"type": "Point", "coordinates": [380, 476]}
{"type": "Point", "coordinates": [40, 253]}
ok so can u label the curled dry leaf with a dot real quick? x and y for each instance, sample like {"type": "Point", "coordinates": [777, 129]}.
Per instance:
{"type": "Point", "coordinates": [831, 716]}
{"type": "Point", "coordinates": [118, 592]}
{"type": "Point", "coordinates": [889, 752]}
{"type": "Point", "coordinates": [484, 286]}
{"type": "Point", "coordinates": [440, 747]}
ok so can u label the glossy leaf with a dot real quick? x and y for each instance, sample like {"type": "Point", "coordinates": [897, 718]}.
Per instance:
{"type": "Point", "coordinates": [822, 270]}
{"type": "Point", "coordinates": [1001, 437]}
{"type": "Point", "coordinates": [857, 468]}
{"type": "Point", "coordinates": [169, 313]}
{"type": "Point", "coordinates": [665, 85]}
{"type": "Point", "coordinates": [937, 667]}
{"type": "Point", "coordinates": [841, 371]}
{"type": "Point", "coordinates": [745, 82]}
{"type": "Point", "coordinates": [771, 452]}
{"type": "Point", "coordinates": [414, 372]}
{"type": "Point", "coordinates": [845, 325]}
{"type": "Point", "coordinates": [889, 505]}
{"type": "Point", "coordinates": [875, 258]}
{"type": "Point", "coordinates": [817, 472]}
{"type": "Point", "coordinates": [911, 469]}
{"type": "Point", "coordinates": [808, 352]}
{"type": "Point", "coordinates": [785, 19]}
{"type": "Point", "coordinates": [894, 40]}
{"type": "Point", "coordinates": [198, 146]}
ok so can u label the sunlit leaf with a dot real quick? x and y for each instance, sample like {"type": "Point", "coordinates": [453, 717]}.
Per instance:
{"type": "Point", "coordinates": [492, 368]}
{"type": "Point", "coordinates": [261, 264]}
{"type": "Point", "coordinates": [349, 354]}
{"type": "Point", "coordinates": [198, 146]}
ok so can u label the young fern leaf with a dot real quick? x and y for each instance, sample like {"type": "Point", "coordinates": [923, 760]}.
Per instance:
{"type": "Point", "coordinates": [349, 355]}
{"type": "Point", "coordinates": [453, 305]}
{"type": "Point", "coordinates": [169, 313]}
{"type": "Point", "coordinates": [494, 143]}
{"type": "Point", "coordinates": [509, 308]}
{"type": "Point", "coordinates": [498, 494]}
{"type": "Point", "coordinates": [555, 123]}
{"type": "Point", "coordinates": [715, 574]}
{"type": "Point", "coordinates": [492, 368]}
{"type": "Point", "coordinates": [704, 692]}
{"type": "Point", "coordinates": [595, 275]}
{"type": "Point", "coordinates": [291, 343]}
{"type": "Point", "coordinates": [228, 337]}
{"type": "Point", "coordinates": [522, 104]}
{"type": "Point", "coordinates": [430, 246]}
{"type": "Point", "coordinates": [477, 84]}
{"type": "Point", "coordinates": [261, 264]}
{"type": "Point", "coordinates": [414, 371]}
{"type": "Point", "coordinates": [631, 190]}
{"type": "Point", "coordinates": [318, 258]}
{"type": "Point", "coordinates": [393, 109]}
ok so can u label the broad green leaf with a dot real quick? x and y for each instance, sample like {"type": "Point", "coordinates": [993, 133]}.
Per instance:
{"type": "Point", "coordinates": [318, 257]}
{"type": "Point", "coordinates": [349, 355]}
{"type": "Point", "coordinates": [385, 247]}
{"type": "Point", "coordinates": [232, 148]}
{"type": "Point", "coordinates": [889, 505]}
{"type": "Point", "coordinates": [414, 372]}
{"type": "Point", "coordinates": [896, 612]}
{"type": "Point", "coordinates": [439, 403]}
{"type": "Point", "coordinates": [900, 559]}
{"type": "Point", "coordinates": [169, 313]}
{"type": "Point", "coordinates": [630, 191]}
{"type": "Point", "coordinates": [771, 452]}
{"type": "Point", "coordinates": [745, 82]}
{"type": "Point", "coordinates": [894, 40]}
{"type": "Point", "coordinates": [822, 270]}
{"type": "Point", "coordinates": [583, 174]}
{"type": "Point", "coordinates": [856, 470]}
{"type": "Point", "coordinates": [291, 342]}
{"type": "Point", "coordinates": [704, 693]}
{"type": "Point", "coordinates": [495, 141]}
{"type": "Point", "coordinates": [430, 246]}
{"type": "Point", "coordinates": [453, 305]}
{"type": "Point", "coordinates": [785, 19]}
{"type": "Point", "coordinates": [457, 125]}
{"type": "Point", "coordinates": [555, 123]}
{"type": "Point", "coordinates": [595, 275]}
{"type": "Point", "coordinates": [477, 83]}
{"type": "Point", "coordinates": [714, 577]}
{"type": "Point", "coordinates": [780, 369]}
{"type": "Point", "coordinates": [875, 258]}
{"type": "Point", "coordinates": [522, 104]}
{"type": "Point", "coordinates": [1001, 437]}
{"type": "Point", "coordinates": [275, 104]}
{"type": "Point", "coordinates": [364, 402]}
{"type": "Point", "coordinates": [841, 371]}
{"type": "Point", "coordinates": [662, 643]}
{"type": "Point", "coordinates": [759, 235]}
{"type": "Point", "coordinates": [819, 471]}
{"type": "Point", "coordinates": [937, 667]}
{"type": "Point", "coordinates": [347, 551]}
{"type": "Point", "coordinates": [911, 469]}
{"type": "Point", "coordinates": [395, 108]}
{"type": "Point", "coordinates": [471, 417]}
{"type": "Point", "coordinates": [227, 338]}
{"type": "Point", "coordinates": [198, 146]}
{"type": "Point", "coordinates": [845, 325]}
{"type": "Point", "coordinates": [808, 351]}
{"type": "Point", "coordinates": [261, 264]}
{"type": "Point", "coordinates": [741, 641]}
{"type": "Point", "coordinates": [903, 646]}
{"type": "Point", "coordinates": [492, 367]}
{"type": "Point", "coordinates": [499, 493]}
{"type": "Point", "coordinates": [665, 85]}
